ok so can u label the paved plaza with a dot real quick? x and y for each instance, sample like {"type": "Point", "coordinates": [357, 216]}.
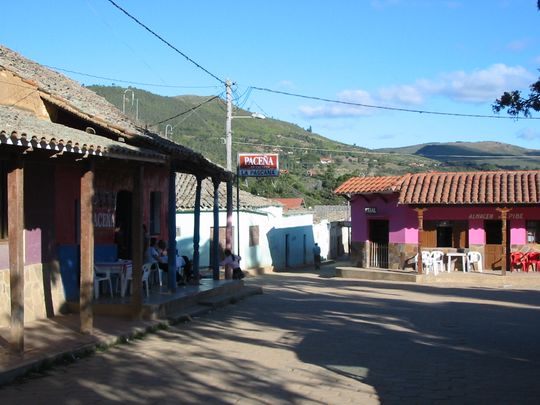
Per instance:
{"type": "Point", "coordinates": [312, 339]}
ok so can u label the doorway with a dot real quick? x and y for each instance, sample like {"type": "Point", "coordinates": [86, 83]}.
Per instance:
{"type": "Point", "coordinates": [494, 247]}
{"type": "Point", "coordinates": [378, 243]}
{"type": "Point", "coordinates": [122, 220]}
{"type": "Point", "coordinates": [222, 244]}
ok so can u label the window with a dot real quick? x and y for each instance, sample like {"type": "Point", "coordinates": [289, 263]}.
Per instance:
{"type": "Point", "coordinates": [155, 213]}
{"type": "Point", "coordinates": [178, 232]}
{"type": "Point", "coordinates": [3, 201]}
{"type": "Point", "coordinates": [533, 231]}
{"type": "Point", "coordinates": [254, 235]}
{"type": "Point", "coordinates": [451, 234]}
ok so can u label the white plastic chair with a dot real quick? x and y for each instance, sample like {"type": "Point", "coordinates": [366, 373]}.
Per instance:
{"type": "Point", "coordinates": [472, 258]}
{"type": "Point", "coordinates": [427, 263]}
{"type": "Point", "coordinates": [437, 261]}
{"type": "Point", "coordinates": [100, 276]}
{"type": "Point", "coordinates": [146, 270]}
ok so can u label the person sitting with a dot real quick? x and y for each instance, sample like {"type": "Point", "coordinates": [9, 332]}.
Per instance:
{"type": "Point", "coordinates": [163, 257]}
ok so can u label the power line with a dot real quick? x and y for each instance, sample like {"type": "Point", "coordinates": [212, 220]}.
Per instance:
{"type": "Point", "coordinates": [166, 42]}
{"type": "Point", "coordinates": [129, 82]}
{"type": "Point", "coordinates": [391, 108]}
{"type": "Point", "coordinates": [185, 112]}
{"type": "Point", "coordinates": [362, 152]}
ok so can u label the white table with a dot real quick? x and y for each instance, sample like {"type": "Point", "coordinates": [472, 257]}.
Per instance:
{"type": "Point", "coordinates": [122, 268]}
{"type": "Point", "coordinates": [457, 255]}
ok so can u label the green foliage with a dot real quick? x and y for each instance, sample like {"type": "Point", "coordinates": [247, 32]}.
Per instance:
{"type": "Point", "coordinates": [300, 150]}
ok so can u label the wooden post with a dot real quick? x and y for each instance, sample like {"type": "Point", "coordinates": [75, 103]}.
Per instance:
{"type": "Point", "coordinates": [137, 241]}
{"type": "Point", "coordinates": [420, 213]}
{"type": "Point", "coordinates": [504, 260]}
{"type": "Point", "coordinates": [171, 252]}
{"type": "Point", "coordinates": [87, 250]}
{"type": "Point", "coordinates": [215, 269]}
{"type": "Point", "coordinates": [229, 232]}
{"type": "Point", "coordinates": [15, 192]}
{"type": "Point", "coordinates": [196, 228]}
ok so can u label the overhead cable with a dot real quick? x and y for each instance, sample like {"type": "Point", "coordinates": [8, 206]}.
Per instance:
{"type": "Point", "coordinates": [391, 108]}
{"type": "Point", "coordinates": [129, 82]}
{"type": "Point", "coordinates": [166, 42]}
{"type": "Point", "coordinates": [185, 112]}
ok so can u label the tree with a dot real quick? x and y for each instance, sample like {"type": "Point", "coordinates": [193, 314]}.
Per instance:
{"type": "Point", "coordinates": [515, 103]}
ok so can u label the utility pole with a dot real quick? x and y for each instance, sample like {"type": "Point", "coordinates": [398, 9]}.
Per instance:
{"type": "Point", "coordinates": [228, 125]}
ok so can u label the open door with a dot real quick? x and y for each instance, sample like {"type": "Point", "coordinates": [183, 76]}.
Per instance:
{"type": "Point", "coordinates": [378, 243]}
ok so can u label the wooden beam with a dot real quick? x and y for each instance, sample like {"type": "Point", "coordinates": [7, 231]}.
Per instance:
{"type": "Point", "coordinates": [215, 269]}
{"type": "Point", "coordinates": [87, 249]}
{"type": "Point", "coordinates": [171, 252]}
{"type": "Point", "coordinates": [137, 241]}
{"type": "Point", "coordinates": [420, 214]}
{"type": "Point", "coordinates": [504, 260]}
{"type": "Point", "coordinates": [15, 193]}
{"type": "Point", "coordinates": [197, 228]}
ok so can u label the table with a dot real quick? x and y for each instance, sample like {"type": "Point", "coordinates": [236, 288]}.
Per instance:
{"type": "Point", "coordinates": [122, 268]}
{"type": "Point", "coordinates": [457, 255]}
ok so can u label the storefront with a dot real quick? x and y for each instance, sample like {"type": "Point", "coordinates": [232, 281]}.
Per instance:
{"type": "Point", "coordinates": [493, 213]}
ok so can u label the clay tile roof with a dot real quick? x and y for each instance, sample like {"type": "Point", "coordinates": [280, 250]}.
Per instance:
{"type": "Point", "coordinates": [360, 185]}
{"type": "Point", "coordinates": [291, 203]}
{"type": "Point", "coordinates": [502, 187]}
{"type": "Point", "coordinates": [21, 128]}
{"type": "Point", "coordinates": [186, 186]}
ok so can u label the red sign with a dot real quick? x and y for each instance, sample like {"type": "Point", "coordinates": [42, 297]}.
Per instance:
{"type": "Point", "coordinates": [258, 164]}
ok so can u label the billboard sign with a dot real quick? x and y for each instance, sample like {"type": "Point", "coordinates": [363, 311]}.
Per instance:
{"type": "Point", "coordinates": [258, 164]}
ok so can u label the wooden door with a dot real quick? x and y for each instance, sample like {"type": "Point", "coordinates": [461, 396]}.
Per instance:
{"type": "Point", "coordinates": [493, 249]}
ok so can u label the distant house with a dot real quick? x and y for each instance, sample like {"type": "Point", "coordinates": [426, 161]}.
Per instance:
{"type": "Point", "coordinates": [78, 180]}
{"type": "Point", "coordinates": [326, 160]}
{"type": "Point", "coordinates": [268, 237]}
{"type": "Point", "coordinates": [291, 203]}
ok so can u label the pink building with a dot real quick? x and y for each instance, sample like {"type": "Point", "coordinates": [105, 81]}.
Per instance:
{"type": "Point", "coordinates": [393, 217]}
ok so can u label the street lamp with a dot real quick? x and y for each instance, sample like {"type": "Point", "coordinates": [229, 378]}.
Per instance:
{"type": "Point", "coordinates": [124, 99]}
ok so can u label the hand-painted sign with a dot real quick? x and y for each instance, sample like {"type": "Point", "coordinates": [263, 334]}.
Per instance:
{"type": "Point", "coordinates": [258, 164]}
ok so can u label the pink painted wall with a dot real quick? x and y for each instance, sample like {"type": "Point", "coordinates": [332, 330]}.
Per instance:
{"type": "Point", "coordinates": [403, 221]}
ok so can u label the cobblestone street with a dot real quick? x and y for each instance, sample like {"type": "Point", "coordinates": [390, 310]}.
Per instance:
{"type": "Point", "coordinates": [316, 340]}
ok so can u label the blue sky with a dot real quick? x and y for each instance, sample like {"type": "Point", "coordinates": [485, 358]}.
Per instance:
{"type": "Point", "coordinates": [434, 55]}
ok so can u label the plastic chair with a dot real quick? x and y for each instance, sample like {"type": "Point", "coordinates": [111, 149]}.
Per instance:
{"type": "Point", "coordinates": [516, 259]}
{"type": "Point", "coordinates": [427, 263]}
{"type": "Point", "coordinates": [437, 261]}
{"type": "Point", "coordinates": [531, 259]}
{"type": "Point", "coordinates": [100, 276]}
{"type": "Point", "coordinates": [146, 270]}
{"type": "Point", "coordinates": [472, 258]}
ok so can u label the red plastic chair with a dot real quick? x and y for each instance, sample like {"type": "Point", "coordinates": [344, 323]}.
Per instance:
{"type": "Point", "coordinates": [516, 259]}
{"type": "Point", "coordinates": [531, 259]}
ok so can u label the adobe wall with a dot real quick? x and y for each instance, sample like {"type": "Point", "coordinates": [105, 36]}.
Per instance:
{"type": "Point", "coordinates": [43, 293]}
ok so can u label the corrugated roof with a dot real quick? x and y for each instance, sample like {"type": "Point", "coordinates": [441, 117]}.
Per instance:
{"type": "Point", "coordinates": [186, 186]}
{"type": "Point", "coordinates": [22, 128]}
{"type": "Point", "coordinates": [501, 187]}
{"type": "Point", "coordinates": [359, 185]}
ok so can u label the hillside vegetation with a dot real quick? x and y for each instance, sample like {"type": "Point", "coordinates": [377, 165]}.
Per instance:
{"type": "Point", "coordinates": [300, 150]}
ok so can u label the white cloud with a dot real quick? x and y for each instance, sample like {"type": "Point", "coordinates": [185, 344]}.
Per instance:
{"type": "Point", "coordinates": [404, 94]}
{"type": "Point", "coordinates": [483, 85]}
{"type": "Point", "coordinates": [529, 134]}
{"type": "Point", "coordinates": [478, 86]}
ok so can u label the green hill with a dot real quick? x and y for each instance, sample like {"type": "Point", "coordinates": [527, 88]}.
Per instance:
{"type": "Point", "coordinates": [200, 125]}
{"type": "Point", "coordinates": [475, 155]}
